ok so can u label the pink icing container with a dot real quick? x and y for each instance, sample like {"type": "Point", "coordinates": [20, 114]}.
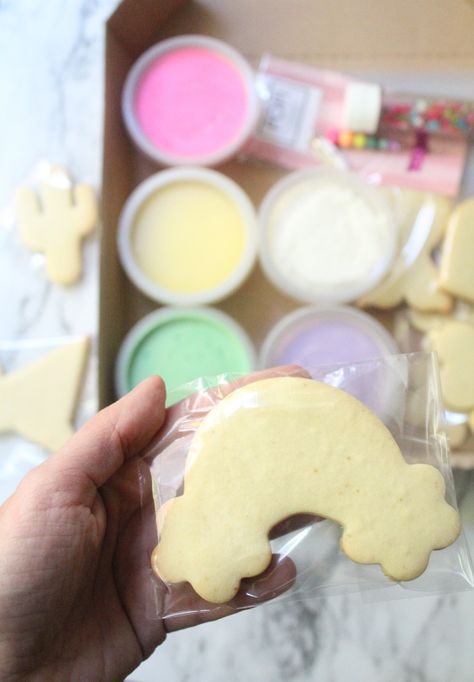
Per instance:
{"type": "Point", "coordinates": [190, 100]}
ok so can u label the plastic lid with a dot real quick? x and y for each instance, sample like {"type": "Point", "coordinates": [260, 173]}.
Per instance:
{"type": "Point", "coordinates": [166, 47]}
{"type": "Point", "coordinates": [297, 237]}
{"type": "Point", "coordinates": [339, 344]}
{"type": "Point", "coordinates": [137, 199]}
{"type": "Point", "coordinates": [182, 345]}
{"type": "Point", "coordinates": [315, 335]}
{"type": "Point", "coordinates": [362, 107]}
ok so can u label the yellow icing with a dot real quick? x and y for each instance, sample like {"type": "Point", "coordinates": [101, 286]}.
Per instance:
{"type": "Point", "coordinates": [188, 237]}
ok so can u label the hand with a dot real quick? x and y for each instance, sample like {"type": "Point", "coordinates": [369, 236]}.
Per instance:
{"type": "Point", "coordinates": [76, 590]}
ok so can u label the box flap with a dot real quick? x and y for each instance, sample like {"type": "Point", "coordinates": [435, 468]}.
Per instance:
{"type": "Point", "coordinates": [355, 33]}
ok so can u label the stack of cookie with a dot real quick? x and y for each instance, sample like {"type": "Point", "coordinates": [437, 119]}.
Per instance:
{"type": "Point", "coordinates": [434, 276]}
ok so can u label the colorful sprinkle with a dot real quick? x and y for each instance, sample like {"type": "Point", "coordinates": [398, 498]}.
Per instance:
{"type": "Point", "coordinates": [332, 135]}
{"type": "Point", "coordinates": [359, 141]}
{"type": "Point", "coordinates": [430, 116]}
{"type": "Point", "coordinates": [345, 139]}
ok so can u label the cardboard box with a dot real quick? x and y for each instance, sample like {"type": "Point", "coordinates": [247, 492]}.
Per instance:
{"type": "Point", "coordinates": [352, 35]}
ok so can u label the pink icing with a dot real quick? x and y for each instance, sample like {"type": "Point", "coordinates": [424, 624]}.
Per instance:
{"type": "Point", "coordinates": [191, 102]}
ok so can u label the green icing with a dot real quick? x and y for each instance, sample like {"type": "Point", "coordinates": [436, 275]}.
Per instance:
{"type": "Point", "coordinates": [184, 348]}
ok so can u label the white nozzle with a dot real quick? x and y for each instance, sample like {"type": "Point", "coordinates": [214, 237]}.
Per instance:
{"type": "Point", "coordinates": [362, 106]}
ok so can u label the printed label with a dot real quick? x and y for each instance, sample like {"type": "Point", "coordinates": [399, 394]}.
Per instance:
{"type": "Point", "coordinates": [289, 113]}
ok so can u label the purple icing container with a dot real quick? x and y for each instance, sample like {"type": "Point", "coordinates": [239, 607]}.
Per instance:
{"type": "Point", "coordinates": [323, 338]}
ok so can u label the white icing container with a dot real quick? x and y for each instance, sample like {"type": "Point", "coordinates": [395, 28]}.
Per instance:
{"type": "Point", "coordinates": [326, 236]}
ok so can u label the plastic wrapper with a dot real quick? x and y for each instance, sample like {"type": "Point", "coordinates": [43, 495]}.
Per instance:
{"type": "Point", "coordinates": [421, 218]}
{"type": "Point", "coordinates": [32, 303]}
{"type": "Point", "coordinates": [30, 291]}
{"type": "Point", "coordinates": [403, 391]}
{"type": "Point", "coordinates": [18, 454]}
{"type": "Point", "coordinates": [310, 114]}
{"type": "Point", "coordinates": [410, 328]}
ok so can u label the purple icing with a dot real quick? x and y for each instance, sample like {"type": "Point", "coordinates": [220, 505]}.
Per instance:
{"type": "Point", "coordinates": [327, 341]}
{"type": "Point", "coordinates": [331, 340]}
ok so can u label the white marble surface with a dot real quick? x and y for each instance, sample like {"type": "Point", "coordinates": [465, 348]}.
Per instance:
{"type": "Point", "coordinates": [50, 107]}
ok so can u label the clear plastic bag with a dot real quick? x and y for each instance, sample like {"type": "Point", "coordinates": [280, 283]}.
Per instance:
{"type": "Point", "coordinates": [17, 453]}
{"type": "Point", "coordinates": [410, 329]}
{"type": "Point", "coordinates": [25, 293]}
{"type": "Point", "coordinates": [404, 392]}
{"type": "Point", "coordinates": [308, 118]}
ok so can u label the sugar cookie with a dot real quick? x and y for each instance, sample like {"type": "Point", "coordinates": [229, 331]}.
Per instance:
{"type": "Point", "coordinates": [56, 222]}
{"type": "Point", "coordinates": [278, 447]}
{"type": "Point", "coordinates": [454, 343]}
{"type": "Point", "coordinates": [425, 322]}
{"type": "Point", "coordinates": [414, 277]}
{"type": "Point", "coordinates": [457, 435]}
{"type": "Point", "coordinates": [38, 401]}
{"type": "Point", "coordinates": [457, 257]}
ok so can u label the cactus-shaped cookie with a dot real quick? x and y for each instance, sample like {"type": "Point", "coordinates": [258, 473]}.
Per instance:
{"type": "Point", "coordinates": [56, 221]}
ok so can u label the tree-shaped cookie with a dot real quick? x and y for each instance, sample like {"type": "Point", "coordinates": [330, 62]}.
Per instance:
{"type": "Point", "coordinates": [414, 277]}
{"type": "Point", "coordinates": [284, 446]}
{"type": "Point", "coordinates": [56, 221]}
{"type": "Point", "coordinates": [38, 401]}
{"type": "Point", "coordinates": [454, 343]}
{"type": "Point", "coordinates": [457, 259]}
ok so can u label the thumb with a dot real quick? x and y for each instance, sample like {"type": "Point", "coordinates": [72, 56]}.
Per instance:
{"type": "Point", "coordinates": [114, 435]}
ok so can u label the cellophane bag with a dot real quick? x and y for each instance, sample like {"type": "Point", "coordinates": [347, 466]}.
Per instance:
{"type": "Point", "coordinates": [403, 391]}
{"type": "Point", "coordinates": [301, 105]}
{"type": "Point", "coordinates": [410, 329]}
{"type": "Point", "coordinates": [18, 454]}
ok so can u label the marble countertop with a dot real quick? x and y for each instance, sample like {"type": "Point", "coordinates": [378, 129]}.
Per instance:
{"type": "Point", "coordinates": [51, 108]}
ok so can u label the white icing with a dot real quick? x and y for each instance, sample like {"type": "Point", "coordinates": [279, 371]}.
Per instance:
{"type": "Point", "coordinates": [327, 235]}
